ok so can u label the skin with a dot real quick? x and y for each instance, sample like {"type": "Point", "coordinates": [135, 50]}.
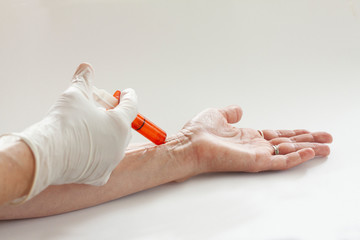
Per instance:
{"type": "Point", "coordinates": [17, 168]}
{"type": "Point", "coordinates": [207, 143]}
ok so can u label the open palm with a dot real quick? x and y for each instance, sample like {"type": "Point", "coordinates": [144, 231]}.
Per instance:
{"type": "Point", "coordinates": [220, 146]}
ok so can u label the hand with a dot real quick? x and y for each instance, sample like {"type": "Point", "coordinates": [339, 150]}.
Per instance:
{"type": "Point", "coordinates": [220, 146]}
{"type": "Point", "coordinates": [77, 142]}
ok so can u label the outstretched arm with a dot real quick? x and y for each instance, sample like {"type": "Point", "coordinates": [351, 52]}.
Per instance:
{"type": "Point", "coordinates": [208, 143]}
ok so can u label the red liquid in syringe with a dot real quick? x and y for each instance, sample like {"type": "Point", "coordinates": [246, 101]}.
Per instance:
{"type": "Point", "coordinates": [145, 127]}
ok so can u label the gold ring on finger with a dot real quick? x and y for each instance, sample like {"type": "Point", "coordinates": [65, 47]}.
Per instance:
{"type": "Point", "coordinates": [276, 148]}
{"type": "Point", "coordinates": [261, 133]}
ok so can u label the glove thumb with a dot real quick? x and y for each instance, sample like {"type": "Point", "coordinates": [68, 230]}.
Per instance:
{"type": "Point", "coordinates": [127, 108]}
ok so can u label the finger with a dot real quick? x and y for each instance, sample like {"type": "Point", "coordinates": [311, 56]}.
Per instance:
{"type": "Point", "coordinates": [318, 137]}
{"type": "Point", "coordinates": [277, 141]}
{"type": "Point", "coordinates": [232, 113]}
{"type": "Point", "coordinates": [127, 108]}
{"type": "Point", "coordinates": [319, 149]}
{"type": "Point", "coordinates": [83, 77]}
{"type": "Point", "coordinates": [271, 134]}
{"type": "Point", "coordinates": [282, 162]}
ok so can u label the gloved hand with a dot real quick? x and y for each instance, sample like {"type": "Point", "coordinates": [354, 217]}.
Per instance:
{"type": "Point", "coordinates": [77, 142]}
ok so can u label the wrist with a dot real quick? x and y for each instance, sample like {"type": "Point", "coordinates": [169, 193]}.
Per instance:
{"type": "Point", "coordinates": [183, 152]}
{"type": "Point", "coordinates": [201, 149]}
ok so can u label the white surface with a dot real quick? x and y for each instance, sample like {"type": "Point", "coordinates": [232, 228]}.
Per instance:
{"type": "Point", "coordinates": [289, 64]}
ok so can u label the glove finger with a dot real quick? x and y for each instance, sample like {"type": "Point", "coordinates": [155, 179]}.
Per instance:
{"type": "Point", "coordinates": [127, 108]}
{"type": "Point", "coordinates": [83, 78]}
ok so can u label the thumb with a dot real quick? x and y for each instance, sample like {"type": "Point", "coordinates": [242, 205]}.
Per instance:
{"type": "Point", "coordinates": [232, 113]}
{"type": "Point", "coordinates": [127, 108]}
{"type": "Point", "coordinates": [83, 77]}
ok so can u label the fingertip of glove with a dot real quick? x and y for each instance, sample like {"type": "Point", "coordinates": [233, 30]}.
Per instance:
{"type": "Point", "coordinates": [84, 68]}
{"type": "Point", "coordinates": [84, 72]}
{"type": "Point", "coordinates": [128, 93]}
{"type": "Point", "coordinates": [82, 78]}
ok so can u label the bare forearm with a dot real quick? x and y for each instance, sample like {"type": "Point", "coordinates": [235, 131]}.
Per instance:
{"type": "Point", "coordinates": [143, 167]}
{"type": "Point", "coordinates": [16, 171]}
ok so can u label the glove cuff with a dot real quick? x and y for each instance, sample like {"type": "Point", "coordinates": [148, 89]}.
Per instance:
{"type": "Point", "coordinates": [12, 138]}
{"type": "Point", "coordinates": [41, 148]}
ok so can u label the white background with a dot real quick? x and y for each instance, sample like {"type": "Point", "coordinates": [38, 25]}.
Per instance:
{"type": "Point", "coordinates": [288, 64]}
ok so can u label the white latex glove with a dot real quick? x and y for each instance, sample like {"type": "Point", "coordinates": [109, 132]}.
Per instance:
{"type": "Point", "coordinates": [77, 142]}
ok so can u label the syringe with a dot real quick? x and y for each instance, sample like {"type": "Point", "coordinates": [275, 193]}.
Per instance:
{"type": "Point", "coordinates": [142, 125]}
